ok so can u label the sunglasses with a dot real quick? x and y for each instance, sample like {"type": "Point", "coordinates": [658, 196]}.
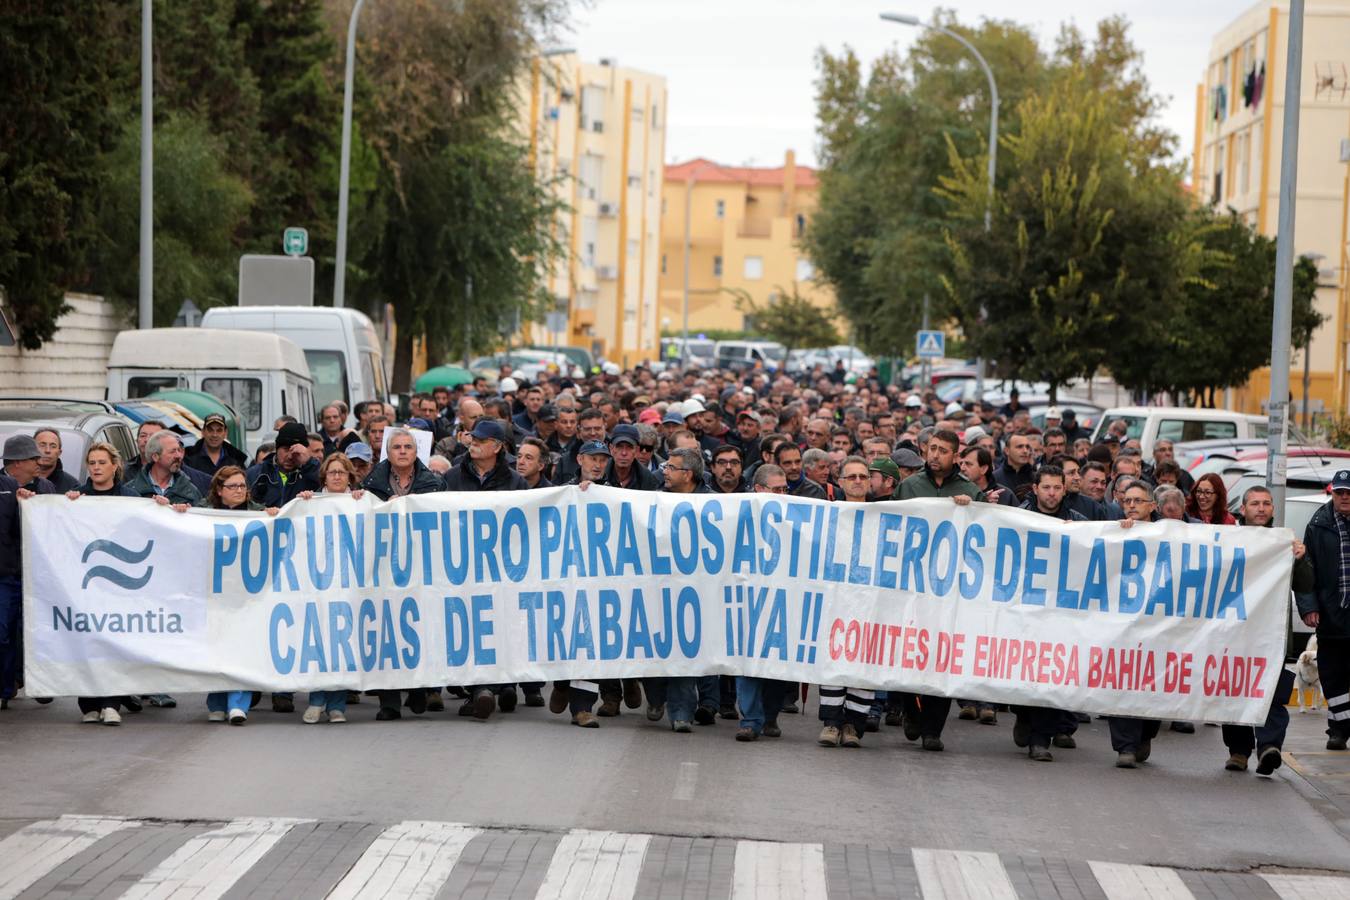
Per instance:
{"type": "Point", "coordinates": [647, 448]}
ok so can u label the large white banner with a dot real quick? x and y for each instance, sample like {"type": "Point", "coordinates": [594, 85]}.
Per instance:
{"type": "Point", "coordinates": [1161, 620]}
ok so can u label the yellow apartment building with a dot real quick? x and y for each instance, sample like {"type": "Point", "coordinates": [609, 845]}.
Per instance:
{"type": "Point", "coordinates": [745, 227]}
{"type": "Point", "coordinates": [597, 134]}
{"type": "Point", "coordinates": [1238, 126]}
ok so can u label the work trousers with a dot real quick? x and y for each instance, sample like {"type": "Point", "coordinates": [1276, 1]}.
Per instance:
{"type": "Point", "coordinates": [97, 704]}
{"type": "Point", "coordinates": [760, 701]}
{"type": "Point", "coordinates": [1333, 668]}
{"type": "Point", "coordinates": [1243, 739]}
{"type": "Point", "coordinates": [929, 711]}
{"type": "Point", "coordinates": [11, 636]}
{"type": "Point", "coordinates": [394, 699]}
{"type": "Point", "coordinates": [840, 706]}
{"type": "Point", "coordinates": [1045, 723]}
{"type": "Point", "coordinates": [1127, 734]}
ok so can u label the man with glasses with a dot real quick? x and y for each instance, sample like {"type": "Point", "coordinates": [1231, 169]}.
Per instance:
{"type": "Point", "coordinates": [648, 440]}
{"type": "Point", "coordinates": [726, 470]}
{"type": "Point", "coordinates": [1326, 607]}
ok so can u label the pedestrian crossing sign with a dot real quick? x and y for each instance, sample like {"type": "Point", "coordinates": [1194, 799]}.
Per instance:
{"type": "Point", "coordinates": [932, 344]}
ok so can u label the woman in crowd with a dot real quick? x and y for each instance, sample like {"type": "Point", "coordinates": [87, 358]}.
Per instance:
{"type": "Point", "coordinates": [1209, 501]}
{"type": "Point", "coordinates": [229, 490]}
{"type": "Point", "coordinates": [338, 476]}
{"type": "Point", "coordinates": [104, 465]}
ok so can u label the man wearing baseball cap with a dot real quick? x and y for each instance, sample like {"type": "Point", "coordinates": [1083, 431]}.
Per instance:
{"type": "Point", "coordinates": [1326, 607]}
{"type": "Point", "coordinates": [623, 470]}
{"type": "Point", "coordinates": [213, 452]}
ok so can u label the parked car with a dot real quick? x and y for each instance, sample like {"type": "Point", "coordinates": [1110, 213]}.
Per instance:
{"type": "Point", "coordinates": [1298, 511]}
{"type": "Point", "coordinates": [700, 354]}
{"type": "Point", "coordinates": [527, 364]}
{"type": "Point", "coordinates": [742, 356]}
{"type": "Point", "coordinates": [1179, 423]}
{"type": "Point", "coordinates": [579, 357]}
{"type": "Point", "coordinates": [79, 423]}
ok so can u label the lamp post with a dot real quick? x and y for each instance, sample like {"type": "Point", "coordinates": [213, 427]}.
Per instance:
{"type": "Point", "coordinates": [903, 19]}
{"type": "Point", "coordinates": [345, 170]}
{"type": "Point", "coordinates": [146, 299]}
{"type": "Point", "coordinates": [688, 203]}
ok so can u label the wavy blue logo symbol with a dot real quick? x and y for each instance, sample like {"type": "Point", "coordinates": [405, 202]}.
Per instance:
{"type": "Point", "coordinates": [122, 579]}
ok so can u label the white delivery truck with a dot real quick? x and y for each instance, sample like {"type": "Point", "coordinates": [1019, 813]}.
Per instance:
{"type": "Point", "coordinates": [260, 376]}
{"type": "Point", "coordinates": [341, 346]}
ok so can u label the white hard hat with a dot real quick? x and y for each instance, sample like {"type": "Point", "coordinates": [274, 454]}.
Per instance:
{"type": "Point", "coordinates": [508, 385]}
{"type": "Point", "coordinates": [955, 409]}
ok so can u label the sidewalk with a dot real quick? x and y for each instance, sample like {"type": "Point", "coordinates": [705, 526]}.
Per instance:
{"type": "Point", "coordinates": [1327, 772]}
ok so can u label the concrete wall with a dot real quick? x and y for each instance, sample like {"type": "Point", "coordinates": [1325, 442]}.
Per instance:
{"type": "Point", "coordinates": [74, 363]}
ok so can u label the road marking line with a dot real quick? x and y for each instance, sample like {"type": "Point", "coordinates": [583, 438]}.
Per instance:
{"type": "Point", "coordinates": [787, 871]}
{"type": "Point", "coordinates": [209, 864]}
{"type": "Point", "coordinates": [685, 781]}
{"type": "Point", "coordinates": [1309, 887]}
{"type": "Point", "coordinates": [962, 875]}
{"type": "Point", "coordinates": [410, 859]}
{"type": "Point", "coordinates": [1125, 882]}
{"type": "Point", "coordinates": [594, 865]}
{"type": "Point", "coordinates": [34, 850]}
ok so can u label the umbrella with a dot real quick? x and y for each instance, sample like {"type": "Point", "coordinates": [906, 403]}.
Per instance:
{"type": "Point", "coordinates": [443, 376]}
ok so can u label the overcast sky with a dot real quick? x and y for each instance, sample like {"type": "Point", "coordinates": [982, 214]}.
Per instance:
{"type": "Point", "coordinates": [740, 72]}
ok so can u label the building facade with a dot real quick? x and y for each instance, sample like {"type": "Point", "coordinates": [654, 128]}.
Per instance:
{"type": "Point", "coordinates": [597, 136]}
{"type": "Point", "coordinates": [1236, 164]}
{"type": "Point", "coordinates": [745, 228]}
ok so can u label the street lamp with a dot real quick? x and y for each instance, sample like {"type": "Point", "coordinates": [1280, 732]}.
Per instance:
{"type": "Point", "coordinates": [146, 297]}
{"type": "Point", "coordinates": [688, 205]}
{"type": "Point", "coordinates": [902, 19]}
{"type": "Point", "coordinates": [345, 171]}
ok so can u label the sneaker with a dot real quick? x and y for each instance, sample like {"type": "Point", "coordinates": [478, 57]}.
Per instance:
{"type": "Point", "coordinates": [507, 700]}
{"type": "Point", "coordinates": [238, 717]}
{"type": "Point", "coordinates": [90, 718]}
{"type": "Point", "coordinates": [337, 716]}
{"type": "Point", "coordinates": [435, 703]}
{"type": "Point", "coordinates": [282, 704]}
{"type": "Point", "coordinates": [850, 738]}
{"type": "Point", "coordinates": [1182, 727]}
{"type": "Point", "coordinates": [1268, 760]}
{"type": "Point", "coordinates": [389, 714]}
{"type": "Point", "coordinates": [746, 735]}
{"type": "Point", "coordinates": [894, 718]}
{"type": "Point", "coordinates": [1064, 742]}
{"type": "Point", "coordinates": [704, 716]}
{"type": "Point", "coordinates": [632, 693]}
{"type": "Point", "coordinates": [727, 712]}
{"type": "Point", "coordinates": [311, 715]}
{"type": "Point", "coordinates": [873, 724]}
{"type": "Point", "coordinates": [417, 702]}
{"type": "Point", "coordinates": [164, 701]}
{"type": "Point", "coordinates": [110, 716]}
{"type": "Point", "coordinates": [1126, 761]}
{"type": "Point", "coordinates": [216, 715]}
{"type": "Point", "coordinates": [771, 729]}
{"type": "Point", "coordinates": [1336, 742]}
{"type": "Point", "coordinates": [988, 717]}
{"type": "Point", "coordinates": [1143, 751]}
{"type": "Point", "coordinates": [932, 742]}
{"type": "Point", "coordinates": [608, 708]}
{"type": "Point", "coordinates": [1237, 762]}
{"type": "Point", "coordinates": [1022, 731]}
{"type": "Point", "coordinates": [829, 736]}
{"type": "Point", "coordinates": [912, 728]}
{"type": "Point", "coordinates": [656, 712]}
{"type": "Point", "coordinates": [585, 719]}
{"type": "Point", "coordinates": [557, 700]}
{"type": "Point", "coordinates": [680, 726]}
{"type": "Point", "coordinates": [968, 713]}
{"type": "Point", "coordinates": [483, 703]}
{"type": "Point", "coordinates": [1040, 754]}
{"type": "Point", "coordinates": [534, 697]}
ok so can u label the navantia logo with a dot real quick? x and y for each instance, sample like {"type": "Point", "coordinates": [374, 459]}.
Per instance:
{"type": "Point", "coordinates": [131, 581]}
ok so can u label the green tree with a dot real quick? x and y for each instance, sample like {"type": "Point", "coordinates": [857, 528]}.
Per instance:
{"type": "Point", "coordinates": [790, 319]}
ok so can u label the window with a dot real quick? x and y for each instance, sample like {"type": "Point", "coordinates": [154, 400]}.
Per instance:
{"type": "Point", "coordinates": [656, 118]}
{"type": "Point", "coordinates": [754, 268]}
{"type": "Point", "coordinates": [243, 395]}
{"type": "Point", "coordinates": [589, 231]}
{"type": "Point", "coordinates": [372, 377]}
{"type": "Point", "coordinates": [717, 266]}
{"type": "Point", "coordinates": [591, 175]}
{"type": "Point", "coordinates": [1195, 430]}
{"type": "Point", "coordinates": [632, 247]}
{"type": "Point", "coordinates": [1244, 161]}
{"type": "Point", "coordinates": [329, 369]}
{"type": "Point", "coordinates": [721, 209]}
{"type": "Point", "coordinates": [145, 385]}
{"type": "Point", "coordinates": [592, 108]}
{"type": "Point", "coordinates": [663, 264]}
{"type": "Point", "coordinates": [805, 270]}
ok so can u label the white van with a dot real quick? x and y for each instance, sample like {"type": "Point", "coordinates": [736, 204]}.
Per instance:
{"type": "Point", "coordinates": [1181, 423]}
{"type": "Point", "coordinates": [340, 345]}
{"type": "Point", "coordinates": [741, 356]}
{"type": "Point", "coordinates": [260, 376]}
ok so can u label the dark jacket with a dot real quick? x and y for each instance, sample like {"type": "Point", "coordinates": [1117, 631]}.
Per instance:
{"type": "Point", "coordinates": [1064, 514]}
{"type": "Point", "coordinates": [921, 484]}
{"type": "Point", "coordinates": [523, 421]}
{"type": "Point", "coordinates": [11, 548]}
{"type": "Point", "coordinates": [118, 490]}
{"type": "Point", "coordinates": [62, 481]}
{"type": "Point", "coordinates": [272, 487]}
{"type": "Point", "coordinates": [644, 479]}
{"type": "Point", "coordinates": [197, 458]}
{"type": "Point", "coordinates": [1087, 507]}
{"type": "Point", "coordinates": [424, 481]}
{"type": "Point", "coordinates": [180, 490]}
{"type": "Point", "coordinates": [330, 446]}
{"type": "Point", "coordinates": [567, 467]}
{"type": "Point", "coordinates": [1013, 479]}
{"type": "Point", "coordinates": [807, 488]}
{"type": "Point", "coordinates": [543, 482]}
{"type": "Point", "coordinates": [1324, 556]}
{"type": "Point", "coordinates": [502, 477]}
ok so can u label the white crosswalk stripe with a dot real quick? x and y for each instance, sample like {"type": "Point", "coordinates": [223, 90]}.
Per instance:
{"type": "Point", "coordinates": [208, 865]}
{"type": "Point", "coordinates": [1125, 882]}
{"type": "Point", "coordinates": [595, 865]}
{"type": "Point", "coordinates": [410, 859]}
{"type": "Point", "coordinates": [36, 849]}
{"type": "Point", "coordinates": [1309, 887]}
{"type": "Point", "coordinates": [962, 875]}
{"type": "Point", "coordinates": [787, 871]}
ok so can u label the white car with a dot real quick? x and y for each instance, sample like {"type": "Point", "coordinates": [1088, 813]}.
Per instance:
{"type": "Point", "coordinates": [1180, 423]}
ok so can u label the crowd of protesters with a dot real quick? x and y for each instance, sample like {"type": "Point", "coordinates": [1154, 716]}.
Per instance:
{"type": "Point", "coordinates": [822, 435]}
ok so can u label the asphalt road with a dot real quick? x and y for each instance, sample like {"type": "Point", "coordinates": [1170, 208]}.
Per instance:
{"type": "Point", "coordinates": [530, 769]}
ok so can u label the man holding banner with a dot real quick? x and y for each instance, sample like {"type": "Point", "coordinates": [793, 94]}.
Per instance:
{"type": "Point", "coordinates": [1327, 606]}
